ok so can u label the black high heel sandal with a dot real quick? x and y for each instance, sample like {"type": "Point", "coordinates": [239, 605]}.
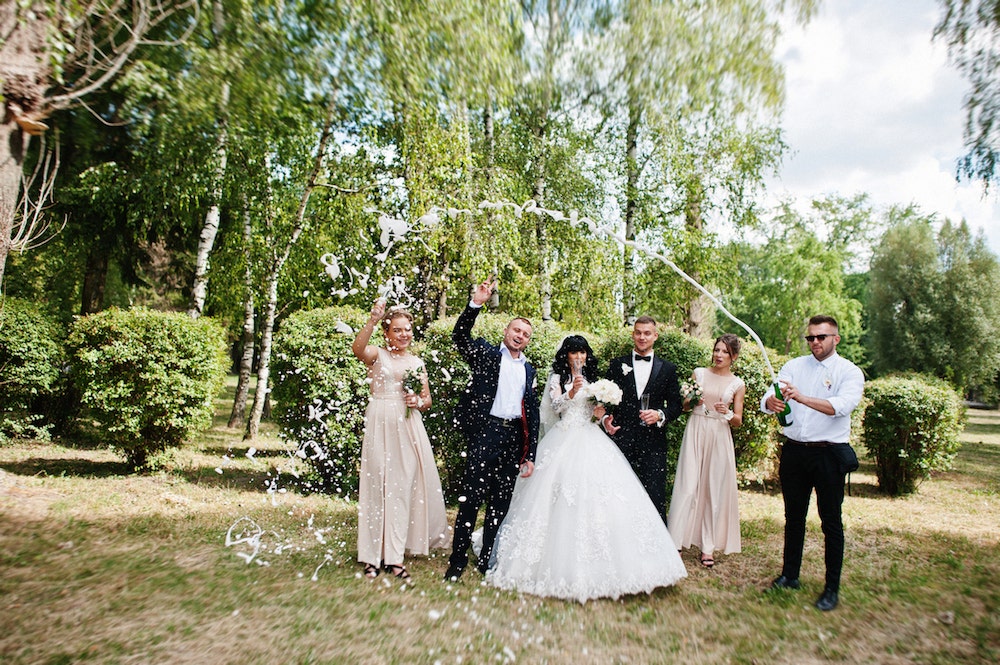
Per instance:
{"type": "Point", "coordinates": [399, 572]}
{"type": "Point", "coordinates": [371, 571]}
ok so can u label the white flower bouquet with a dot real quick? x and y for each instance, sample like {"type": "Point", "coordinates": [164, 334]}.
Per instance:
{"type": "Point", "coordinates": [605, 392]}
{"type": "Point", "coordinates": [691, 392]}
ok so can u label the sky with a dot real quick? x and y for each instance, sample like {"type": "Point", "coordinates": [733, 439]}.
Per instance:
{"type": "Point", "coordinates": [873, 105]}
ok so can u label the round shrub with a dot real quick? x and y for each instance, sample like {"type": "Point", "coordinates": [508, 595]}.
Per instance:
{"type": "Point", "coordinates": [149, 378]}
{"type": "Point", "coordinates": [911, 428]}
{"type": "Point", "coordinates": [321, 392]}
{"type": "Point", "coordinates": [31, 361]}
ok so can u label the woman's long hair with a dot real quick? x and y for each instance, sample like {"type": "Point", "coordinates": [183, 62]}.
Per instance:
{"type": "Point", "coordinates": [560, 365]}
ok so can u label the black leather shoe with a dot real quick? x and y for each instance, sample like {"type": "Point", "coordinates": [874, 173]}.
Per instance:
{"type": "Point", "coordinates": [782, 582]}
{"type": "Point", "coordinates": [453, 574]}
{"type": "Point", "coordinates": [827, 600]}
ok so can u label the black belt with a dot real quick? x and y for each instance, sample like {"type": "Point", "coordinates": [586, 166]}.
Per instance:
{"type": "Point", "coordinates": [812, 444]}
{"type": "Point", "coordinates": [510, 423]}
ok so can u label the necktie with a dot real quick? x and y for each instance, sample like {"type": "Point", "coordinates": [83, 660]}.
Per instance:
{"type": "Point", "coordinates": [646, 358]}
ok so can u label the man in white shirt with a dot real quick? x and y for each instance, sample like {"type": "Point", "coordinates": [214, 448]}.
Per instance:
{"type": "Point", "coordinates": [498, 413]}
{"type": "Point", "coordinates": [822, 389]}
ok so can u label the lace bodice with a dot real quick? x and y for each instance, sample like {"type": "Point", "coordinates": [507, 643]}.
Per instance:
{"type": "Point", "coordinates": [572, 412]}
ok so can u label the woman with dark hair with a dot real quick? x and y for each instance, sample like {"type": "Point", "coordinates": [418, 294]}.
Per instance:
{"type": "Point", "coordinates": [400, 503]}
{"type": "Point", "coordinates": [581, 526]}
{"type": "Point", "coordinates": [704, 509]}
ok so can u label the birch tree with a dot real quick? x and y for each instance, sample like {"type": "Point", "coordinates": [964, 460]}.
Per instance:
{"type": "Point", "coordinates": [54, 54]}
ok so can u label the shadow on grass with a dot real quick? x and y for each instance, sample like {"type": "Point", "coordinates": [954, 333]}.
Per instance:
{"type": "Point", "coordinates": [980, 429]}
{"type": "Point", "coordinates": [78, 468]}
{"type": "Point", "coordinates": [254, 480]}
{"type": "Point", "coordinates": [242, 450]}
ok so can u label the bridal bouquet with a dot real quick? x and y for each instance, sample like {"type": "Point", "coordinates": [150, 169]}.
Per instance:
{"type": "Point", "coordinates": [691, 392]}
{"type": "Point", "coordinates": [413, 383]}
{"type": "Point", "coordinates": [605, 392]}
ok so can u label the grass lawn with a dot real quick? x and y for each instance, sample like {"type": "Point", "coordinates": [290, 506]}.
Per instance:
{"type": "Point", "coordinates": [99, 566]}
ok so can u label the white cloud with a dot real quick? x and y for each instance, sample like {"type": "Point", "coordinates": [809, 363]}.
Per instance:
{"type": "Point", "coordinates": [873, 106]}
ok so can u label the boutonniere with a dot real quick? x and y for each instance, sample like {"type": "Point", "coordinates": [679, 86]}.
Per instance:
{"type": "Point", "coordinates": [626, 368]}
{"type": "Point", "coordinates": [828, 383]}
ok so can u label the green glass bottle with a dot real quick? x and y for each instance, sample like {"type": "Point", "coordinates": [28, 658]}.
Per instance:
{"type": "Point", "coordinates": [785, 417]}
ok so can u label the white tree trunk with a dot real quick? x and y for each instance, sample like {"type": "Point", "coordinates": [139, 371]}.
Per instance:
{"type": "Point", "coordinates": [10, 184]}
{"type": "Point", "coordinates": [278, 262]}
{"type": "Point", "coordinates": [210, 229]}
{"type": "Point", "coordinates": [238, 415]}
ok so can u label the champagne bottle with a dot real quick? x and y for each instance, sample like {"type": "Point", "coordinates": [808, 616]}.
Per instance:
{"type": "Point", "coordinates": [784, 417]}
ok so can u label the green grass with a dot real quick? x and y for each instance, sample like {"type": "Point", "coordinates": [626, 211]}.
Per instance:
{"type": "Point", "coordinates": [99, 566]}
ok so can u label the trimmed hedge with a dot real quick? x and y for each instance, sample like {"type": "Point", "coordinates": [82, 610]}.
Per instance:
{"type": "Point", "coordinates": [321, 392]}
{"type": "Point", "coordinates": [31, 360]}
{"type": "Point", "coordinates": [149, 378]}
{"type": "Point", "coordinates": [911, 428]}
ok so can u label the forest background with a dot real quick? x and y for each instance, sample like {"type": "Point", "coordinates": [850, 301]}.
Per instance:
{"type": "Point", "coordinates": [250, 160]}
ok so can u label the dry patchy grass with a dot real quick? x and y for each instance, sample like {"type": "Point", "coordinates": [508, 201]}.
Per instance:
{"type": "Point", "coordinates": [100, 566]}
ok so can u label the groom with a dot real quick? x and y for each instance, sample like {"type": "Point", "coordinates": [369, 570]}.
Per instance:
{"type": "Point", "coordinates": [639, 432]}
{"type": "Point", "coordinates": [498, 413]}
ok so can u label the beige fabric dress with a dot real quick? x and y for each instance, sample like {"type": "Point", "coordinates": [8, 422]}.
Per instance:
{"type": "Point", "coordinates": [400, 502]}
{"type": "Point", "coordinates": [704, 507]}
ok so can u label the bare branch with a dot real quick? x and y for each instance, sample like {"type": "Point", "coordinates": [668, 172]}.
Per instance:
{"type": "Point", "coordinates": [32, 226]}
{"type": "Point", "coordinates": [106, 35]}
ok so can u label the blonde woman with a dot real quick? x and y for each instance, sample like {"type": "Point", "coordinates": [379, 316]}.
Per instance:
{"type": "Point", "coordinates": [400, 503]}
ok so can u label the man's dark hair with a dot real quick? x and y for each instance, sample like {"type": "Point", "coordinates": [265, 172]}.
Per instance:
{"type": "Point", "coordinates": [820, 319]}
{"type": "Point", "coordinates": [646, 319]}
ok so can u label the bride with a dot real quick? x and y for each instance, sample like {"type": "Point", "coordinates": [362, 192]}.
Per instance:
{"type": "Point", "coordinates": [581, 526]}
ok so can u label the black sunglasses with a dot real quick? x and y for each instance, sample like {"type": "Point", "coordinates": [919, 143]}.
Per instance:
{"type": "Point", "coordinates": [813, 338]}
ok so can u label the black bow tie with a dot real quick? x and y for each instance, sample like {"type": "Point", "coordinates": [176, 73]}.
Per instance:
{"type": "Point", "coordinates": [646, 358]}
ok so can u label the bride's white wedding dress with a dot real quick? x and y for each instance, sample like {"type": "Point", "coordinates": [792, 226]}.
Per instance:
{"type": "Point", "coordinates": [582, 526]}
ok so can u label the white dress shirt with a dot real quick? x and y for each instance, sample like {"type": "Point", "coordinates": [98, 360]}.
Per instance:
{"type": "Point", "coordinates": [835, 379]}
{"type": "Point", "coordinates": [510, 385]}
{"type": "Point", "coordinates": [641, 369]}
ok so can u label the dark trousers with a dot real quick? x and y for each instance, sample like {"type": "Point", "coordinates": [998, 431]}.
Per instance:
{"type": "Point", "coordinates": [651, 468]}
{"type": "Point", "coordinates": [487, 479]}
{"type": "Point", "coordinates": [802, 469]}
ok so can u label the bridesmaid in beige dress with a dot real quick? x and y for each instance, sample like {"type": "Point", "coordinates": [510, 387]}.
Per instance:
{"type": "Point", "coordinates": [400, 503]}
{"type": "Point", "coordinates": [704, 510]}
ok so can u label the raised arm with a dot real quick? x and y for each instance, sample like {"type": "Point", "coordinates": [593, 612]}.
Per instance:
{"type": "Point", "coordinates": [362, 350]}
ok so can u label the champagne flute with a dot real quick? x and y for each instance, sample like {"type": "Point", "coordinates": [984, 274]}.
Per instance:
{"type": "Point", "coordinates": [644, 403]}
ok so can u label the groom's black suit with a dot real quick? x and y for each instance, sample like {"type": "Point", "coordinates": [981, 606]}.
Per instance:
{"type": "Point", "coordinates": [645, 447]}
{"type": "Point", "coordinates": [494, 449]}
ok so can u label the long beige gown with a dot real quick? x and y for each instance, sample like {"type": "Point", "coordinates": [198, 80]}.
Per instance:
{"type": "Point", "coordinates": [704, 508]}
{"type": "Point", "coordinates": [400, 502]}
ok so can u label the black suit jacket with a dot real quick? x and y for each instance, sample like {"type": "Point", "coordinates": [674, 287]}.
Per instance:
{"type": "Point", "coordinates": [664, 395]}
{"type": "Point", "coordinates": [472, 411]}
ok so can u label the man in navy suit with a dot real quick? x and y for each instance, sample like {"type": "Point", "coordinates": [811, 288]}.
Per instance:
{"type": "Point", "coordinates": [498, 414]}
{"type": "Point", "coordinates": [638, 428]}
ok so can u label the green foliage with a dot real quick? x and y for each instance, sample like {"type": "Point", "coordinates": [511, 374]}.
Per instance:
{"type": "Point", "coordinates": [320, 393]}
{"type": "Point", "coordinates": [756, 439]}
{"type": "Point", "coordinates": [793, 276]}
{"type": "Point", "coordinates": [933, 304]}
{"type": "Point", "coordinates": [31, 361]}
{"type": "Point", "coordinates": [911, 428]}
{"type": "Point", "coordinates": [148, 378]}
{"type": "Point", "coordinates": [970, 28]}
